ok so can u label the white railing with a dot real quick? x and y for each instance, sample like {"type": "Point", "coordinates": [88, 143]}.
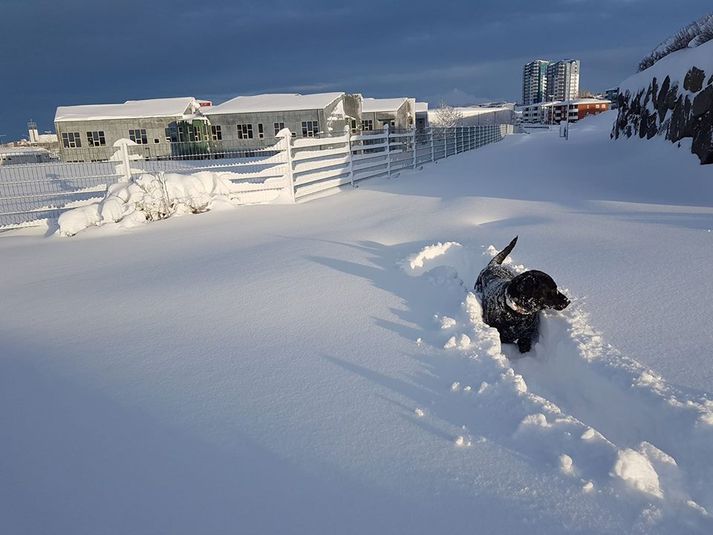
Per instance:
{"type": "Point", "coordinates": [305, 167]}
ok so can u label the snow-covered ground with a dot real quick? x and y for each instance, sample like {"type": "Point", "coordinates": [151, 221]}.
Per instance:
{"type": "Point", "coordinates": [324, 368]}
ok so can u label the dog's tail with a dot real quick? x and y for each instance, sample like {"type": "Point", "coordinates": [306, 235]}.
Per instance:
{"type": "Point", "coordinates": [502, 255]}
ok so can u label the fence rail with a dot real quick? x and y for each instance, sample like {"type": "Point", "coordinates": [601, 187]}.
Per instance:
{"type": "Point", "coordinates": [32, 193]}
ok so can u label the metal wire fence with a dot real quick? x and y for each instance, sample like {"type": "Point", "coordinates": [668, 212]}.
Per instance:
{"type": "Point", "coordinates": [35, 192]}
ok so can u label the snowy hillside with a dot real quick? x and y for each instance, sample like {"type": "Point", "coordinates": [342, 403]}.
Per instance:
{"type": "Point", "coordinates": [673, 98]}
{"type": "Point", "coordinates": [324, 368]}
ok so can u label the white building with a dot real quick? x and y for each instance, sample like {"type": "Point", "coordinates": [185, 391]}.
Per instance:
{"type": "Point", "coordinates": [88, 132]}
{"type": "Point", "coordinates": [534, 81]}
{"type": "Point", "coordinates": [396, 112]}
{"type": "Point", "coordinates": [13, 155]}
{"type": "Point", "coordinates": [254, 121]}
{"type": "Point", "coordinates": [563, 80]}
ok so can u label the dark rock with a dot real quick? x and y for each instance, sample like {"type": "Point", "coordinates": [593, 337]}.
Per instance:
{"type": "Point", "coordinates": [693, 81]}
{"type": "Point", "coordinates": [672, 96]}
{"type": "Point", "coordinates": [663, 98]}
{"type": "Point", "coordinates": [703, 102]}
{"type": "Point", "coordinates": [702, 145]}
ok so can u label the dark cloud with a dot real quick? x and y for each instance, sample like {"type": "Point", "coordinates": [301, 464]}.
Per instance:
{"type": "Point", "coordinates": [80, 51]}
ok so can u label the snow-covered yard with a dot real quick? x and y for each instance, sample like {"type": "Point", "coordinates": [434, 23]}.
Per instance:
{"type": "Point", "coordinates": [323, 367]}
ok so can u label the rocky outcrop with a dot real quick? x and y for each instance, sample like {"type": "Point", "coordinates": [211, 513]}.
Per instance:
{"type": "Point", "coordinates": [666, 109]}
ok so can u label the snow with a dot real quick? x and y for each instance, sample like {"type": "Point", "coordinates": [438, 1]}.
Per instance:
{"type": "Point", "coordinates": [274, 102]}
{"type": "Point", "coordinates": [634, 468]}
{"type": "Point", "coordinates": [280, 368]}
{"type": "Point", "coordinates": [152, 197]}
{"type": "Point", "coordinates": [183, 107]}
{"type": "Point", "coordinates": [675, 65]}
{"type": "Point", "coordinates": [376, 105]}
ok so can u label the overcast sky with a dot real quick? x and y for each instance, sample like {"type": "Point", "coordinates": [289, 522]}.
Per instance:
{"type": "Point", "coordinates": [62, 52]}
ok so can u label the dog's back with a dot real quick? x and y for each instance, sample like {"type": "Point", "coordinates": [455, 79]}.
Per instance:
{"type": "Point", "coordinates": [495, 275]}
{"type": "Point", "coordinates": [490, 287]}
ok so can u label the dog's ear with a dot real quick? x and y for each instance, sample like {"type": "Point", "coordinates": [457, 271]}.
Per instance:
{"type": "Point", "coordinates": [523, 289]}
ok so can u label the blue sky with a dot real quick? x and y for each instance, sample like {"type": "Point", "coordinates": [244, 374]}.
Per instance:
{"type": "Point", "coordinates": [61, 52]}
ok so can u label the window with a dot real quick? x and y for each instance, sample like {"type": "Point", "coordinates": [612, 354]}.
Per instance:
{"type": "Point", "coordinates": [194, 133]}
{"type": "Point", "coordinates": [367, 124]}
{"type": "Point", "coordinates": [354, 125]}
{"type": "Point", "coordinates": [260, 131]}
{"type": "Point", "coordinates": [278, 127]}
{"type": "Point", "coordinates": [245, 131]}
{"type": "Point", "coordinates": [96, 139]}
{"type": "Point", "coordinates": [172, 133]}
{"type": "Point", "coordinates": [138, 136]}
{"type": "Point", "coordinates": [310, 128]}
{"type": "Point", "coordinates": [70, 140]}
{"type": "Point", "coordinates": [215, 133]}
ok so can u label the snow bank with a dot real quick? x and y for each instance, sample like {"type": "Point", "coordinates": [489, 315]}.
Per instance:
{"type": "Point", "coordinates": [574, 401]}
{"type": "Point", "coordinates": [152, 197]}
{"type": "Point", "coordinates": [634, 468]}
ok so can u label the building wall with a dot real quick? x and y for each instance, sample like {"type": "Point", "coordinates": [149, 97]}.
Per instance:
{"type": "Point", "coordinates": [25, 157]}
{"type": "Point", "coordinates": [403, 118]}
{"type": "Point", "coordinates": [292, 120]}
{"type": "Point", "coordinates": [348, 107]}
{"type": "Point", "coordinates": [115, 129]}
{"type": "Point", "coordinates": [592, 109]}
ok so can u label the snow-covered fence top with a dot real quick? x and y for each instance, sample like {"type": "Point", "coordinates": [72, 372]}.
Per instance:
{"type": "Point", "coordinates": [294, 169]}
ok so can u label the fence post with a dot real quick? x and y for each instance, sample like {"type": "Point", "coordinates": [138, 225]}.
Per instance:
{"type": "Point", "coordinates": [123, 146]}
{"type": "Point", "coordinates": [348, 133]}
{"type": "Point", "coordinates": [433, 148]}
{"type": "Point", "coordinates": [388, 150]}
{"type": "Point", "coordinates": [413, 146]}
{"type": "Point", "coordinates": [286, 136]}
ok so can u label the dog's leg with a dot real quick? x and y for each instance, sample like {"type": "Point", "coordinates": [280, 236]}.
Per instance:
{"type": "Point", "coordinates": [524, 344]}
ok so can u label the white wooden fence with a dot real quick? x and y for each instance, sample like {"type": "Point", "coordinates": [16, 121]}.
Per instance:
{"type": "Point", "coordinates": [304, 167]}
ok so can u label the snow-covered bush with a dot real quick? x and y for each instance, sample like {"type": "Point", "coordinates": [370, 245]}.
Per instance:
{"type": "Point", "coordinates": [447, 116]}
{"type": "Point", "coordinates": [692, 35]}
{"type": "Point", "coordinates": [150, 198]}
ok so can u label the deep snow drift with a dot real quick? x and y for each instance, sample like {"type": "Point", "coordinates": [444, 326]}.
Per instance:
{"type": "Point", "coordinates": [324, 367]}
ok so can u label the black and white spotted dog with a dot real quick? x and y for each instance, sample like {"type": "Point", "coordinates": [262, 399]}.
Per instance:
{"type": "Point", "coordinates": [512, 302]}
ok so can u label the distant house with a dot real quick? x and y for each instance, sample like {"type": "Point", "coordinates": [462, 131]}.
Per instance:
{"type": "Point", "coordinates": [570, 110]}
{"type": "Point", "coordinates": [399, 113]}
{"type": "Point", "coordinates": [12, 155]}
{"type": "Point", "coordinates": [162, 127]}
{"type": "Point", "coordinates": [254, 121]}
{"type": "Point", "coordinates": [613, 96]}
{"type": "Point", "coordinates": [422, 115]}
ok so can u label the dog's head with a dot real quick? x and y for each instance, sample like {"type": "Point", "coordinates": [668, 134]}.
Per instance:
{"type": "Point", "coordinates": [533, 291]}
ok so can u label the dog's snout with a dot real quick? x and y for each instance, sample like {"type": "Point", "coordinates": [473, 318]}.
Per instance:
{"type": "Point", "coordinates": [562, 302]}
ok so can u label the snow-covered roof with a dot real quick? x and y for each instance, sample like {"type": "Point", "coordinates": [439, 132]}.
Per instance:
{"type": "Point", "coordinates": [131, 109]}
{"type": "Point", "coordinates": [376, 105]}
{"type": "Point", "coordinates": [421, 107]}
{"type": "Point", "coordinates": [20, 150]}
{"type": "Point", "coordinates": [467, 111]}
{"type": "Point", "coordinates": [275, 102]}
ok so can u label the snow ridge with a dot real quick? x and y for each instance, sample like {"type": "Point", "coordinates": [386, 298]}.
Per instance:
{"type": "Point", "coordinates": [599, 418]}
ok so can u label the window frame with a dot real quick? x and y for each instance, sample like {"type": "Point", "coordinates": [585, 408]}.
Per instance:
{"type": "Point", "coordinates": [245, 131]}
{"type": "Point", "coordinates": [138, 136]}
